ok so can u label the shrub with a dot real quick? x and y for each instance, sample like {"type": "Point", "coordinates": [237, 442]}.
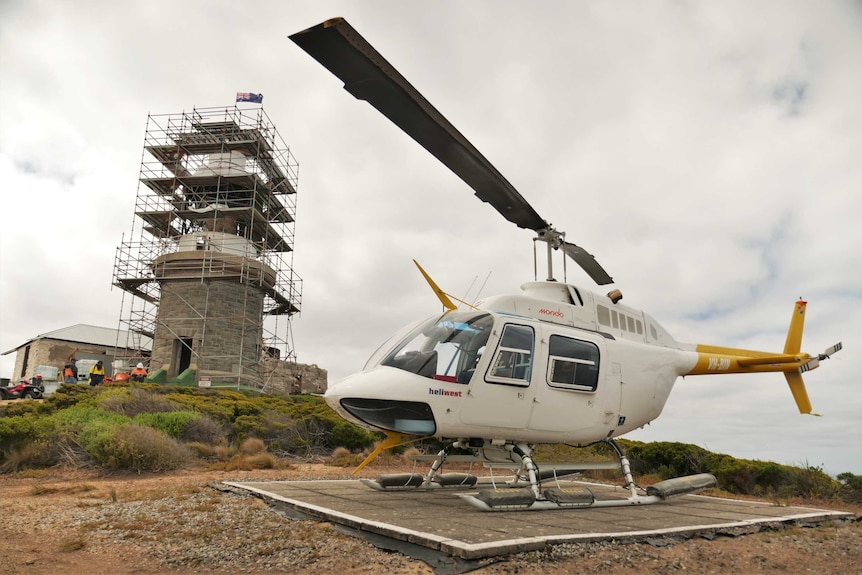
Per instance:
{"type": "Point", "coordinates": [172, 423]}
{"type": "Point", "coordinates": [282, 431]}
{"type": "Point", "coordinates": [850, 480]}
{"type": "Point", "coordinates": [345, 434]}
{"type": "Point", "coordinates": [202, 449]}
{"type": "Point", "coordinates": [667, 459]}
{"type": "Point", "coordinates": [79, 416]}
{"type": "Point", "coordinates": [17, 431]}
{"type": "Point", "coordinates": [30, 455]}
{"type": "Point", "coordinates": [811, 482]}
{"type": "Point", "coordinates": [261, 461]}
{"type": "Point", "coordinates": [134, 401]}
{"type": "Point", "coordinates": [30, 408]}
{"type": "Point", "coordinates": [246, 426]}
{"type": "Point", "coordinates": [70, 395]}
{"type": "Point", "coordinates": [230, 403]}
{"type": "Point", "coordinates": [340, 455]}
{"type": "Point", "coordinates": [851, 487]}
{"type": "Point", "coordinates": [133, 447]}
{"type": "Point", "coordinates": [204, 429]}
{"type": "Point", "coordinates": [223, 452]}
{"type": "Point", "coordinates": [69, 452]}
{"type": "Point", "coordinates": [252, 446]}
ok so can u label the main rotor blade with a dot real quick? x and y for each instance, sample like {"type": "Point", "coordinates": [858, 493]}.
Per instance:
{"type": "Point", "coordinates": [368, 76]}
{"type": "Point", "coordinates": [588, 262]}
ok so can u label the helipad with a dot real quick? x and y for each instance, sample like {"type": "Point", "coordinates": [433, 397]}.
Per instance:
{"type": "Point", "coordinates": [441, 522]}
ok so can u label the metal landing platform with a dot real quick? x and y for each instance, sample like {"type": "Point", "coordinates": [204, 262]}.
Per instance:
{"type": "Point", "coordinates": [440, 521]}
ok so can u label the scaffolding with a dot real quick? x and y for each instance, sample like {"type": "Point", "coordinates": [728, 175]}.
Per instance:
{"type": "Point", "coordinates": [207, 270]}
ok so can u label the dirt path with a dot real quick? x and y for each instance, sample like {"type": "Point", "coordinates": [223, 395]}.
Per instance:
{"type": "Point", "coordinates": [175, 524]}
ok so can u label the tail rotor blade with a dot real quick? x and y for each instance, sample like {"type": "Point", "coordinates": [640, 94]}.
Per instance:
{"type": "Point", "coordinates": [831, 351]}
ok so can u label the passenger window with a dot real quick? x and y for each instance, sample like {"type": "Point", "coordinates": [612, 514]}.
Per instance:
{"type": "Point", "coordinates": [640, 326]}
{"type": "Point", "coordinates": [614, 318]}
{"type": "Point", "coordinates": [604, 315]}
{"type": "Point", "coordinates": [631, 322]}
{"type": "Point", "coordinates": [573, 364]}
{"type": "Point", "coordinates": [513, 363]}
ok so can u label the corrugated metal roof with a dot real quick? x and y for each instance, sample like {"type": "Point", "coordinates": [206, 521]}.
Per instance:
{"type": "Point", "coordinates": [94, 335]}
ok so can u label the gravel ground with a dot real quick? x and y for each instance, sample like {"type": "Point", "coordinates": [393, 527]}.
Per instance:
{"type": "Point", "coordinates": [178, 524]}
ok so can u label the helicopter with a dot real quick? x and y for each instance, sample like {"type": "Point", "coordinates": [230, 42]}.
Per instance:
{"type": "Point", "coordinates": [555, 364]}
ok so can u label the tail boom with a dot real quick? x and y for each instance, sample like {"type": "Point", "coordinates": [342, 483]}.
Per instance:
{"type": "Point", "coordinates": [712, 359]}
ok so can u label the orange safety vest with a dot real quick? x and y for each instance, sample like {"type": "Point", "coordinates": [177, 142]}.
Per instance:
{"type": "Point", "coordinates": [68, 372]}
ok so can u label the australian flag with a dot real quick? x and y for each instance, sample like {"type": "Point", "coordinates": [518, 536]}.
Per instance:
{"type": "Point", "coordinates": [249, 97]}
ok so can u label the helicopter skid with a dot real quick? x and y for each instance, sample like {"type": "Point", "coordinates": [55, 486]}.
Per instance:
{"type": "Point", "coordinates": [417, 482]}
{"type": "Point", "coordinates": [548, 504]}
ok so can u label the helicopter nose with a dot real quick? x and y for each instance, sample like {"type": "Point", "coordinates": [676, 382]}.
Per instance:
{"type": "Point", "coordinates": [410, 417]}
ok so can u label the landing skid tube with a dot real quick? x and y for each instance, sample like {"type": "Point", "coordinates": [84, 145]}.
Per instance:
{"type": "Point", "coordinates": [525, 491]}
{"type": "Point", "coordinates": [433, 480]}
{"type": "Point", "coordinates": [416, 482]}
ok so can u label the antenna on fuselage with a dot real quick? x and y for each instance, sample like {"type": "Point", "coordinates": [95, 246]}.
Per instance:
{"type": "Point", "coordinates": [481, 287]}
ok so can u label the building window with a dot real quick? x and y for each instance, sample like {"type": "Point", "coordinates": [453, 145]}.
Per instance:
{"type": "Point", "coordinates": [25, 362]}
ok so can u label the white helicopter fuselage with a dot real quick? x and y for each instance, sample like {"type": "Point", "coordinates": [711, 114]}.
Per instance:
{"type": "Point", "coordinates": [556, 364]}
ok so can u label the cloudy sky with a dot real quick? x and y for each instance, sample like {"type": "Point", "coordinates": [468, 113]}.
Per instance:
{"type": "Point", "coordinates": [708, 153]}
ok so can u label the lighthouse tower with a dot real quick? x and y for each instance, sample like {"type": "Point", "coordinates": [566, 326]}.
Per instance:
{"type": "Point", "coordinates": [208, 268]}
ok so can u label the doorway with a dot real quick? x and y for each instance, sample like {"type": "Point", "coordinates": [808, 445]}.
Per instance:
{"type": "Point", "coordinates": [181, 358]}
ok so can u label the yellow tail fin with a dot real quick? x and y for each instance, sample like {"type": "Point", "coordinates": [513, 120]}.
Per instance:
{"type": "Point", "coordinates": [793, 343]}
{"type": "Point", "coordinates": [800, 395]}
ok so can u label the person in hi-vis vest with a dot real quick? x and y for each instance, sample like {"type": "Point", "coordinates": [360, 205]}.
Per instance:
{"type": "Point", "coordinates": [70, 372]}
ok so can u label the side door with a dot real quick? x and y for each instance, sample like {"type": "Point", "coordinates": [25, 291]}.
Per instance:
{"type": "Point", "coordinates": [500, 393]}
{"type": "Point", "coordinates": [579, 392]}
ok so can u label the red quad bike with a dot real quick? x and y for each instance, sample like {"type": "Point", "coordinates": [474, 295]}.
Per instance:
{"type": "Point", "coordinates": [24, 389]}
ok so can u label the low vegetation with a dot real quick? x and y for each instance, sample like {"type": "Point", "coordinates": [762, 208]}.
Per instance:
{"type": "Point", "coordinates": [152, 428]}
{"type": "Point", "coordinates": [148, 427]}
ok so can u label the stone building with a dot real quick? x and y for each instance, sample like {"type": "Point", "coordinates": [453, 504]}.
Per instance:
{"type": "Point", "coordinates": [208, 265]}
{"type": "Point", "coordinates": [292, 378]}
{"type": "Point", "coordinates": [46, 353]}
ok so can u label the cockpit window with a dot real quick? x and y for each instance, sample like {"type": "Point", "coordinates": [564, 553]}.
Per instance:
{"type": "Point", "coordinates": [446, 348]}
